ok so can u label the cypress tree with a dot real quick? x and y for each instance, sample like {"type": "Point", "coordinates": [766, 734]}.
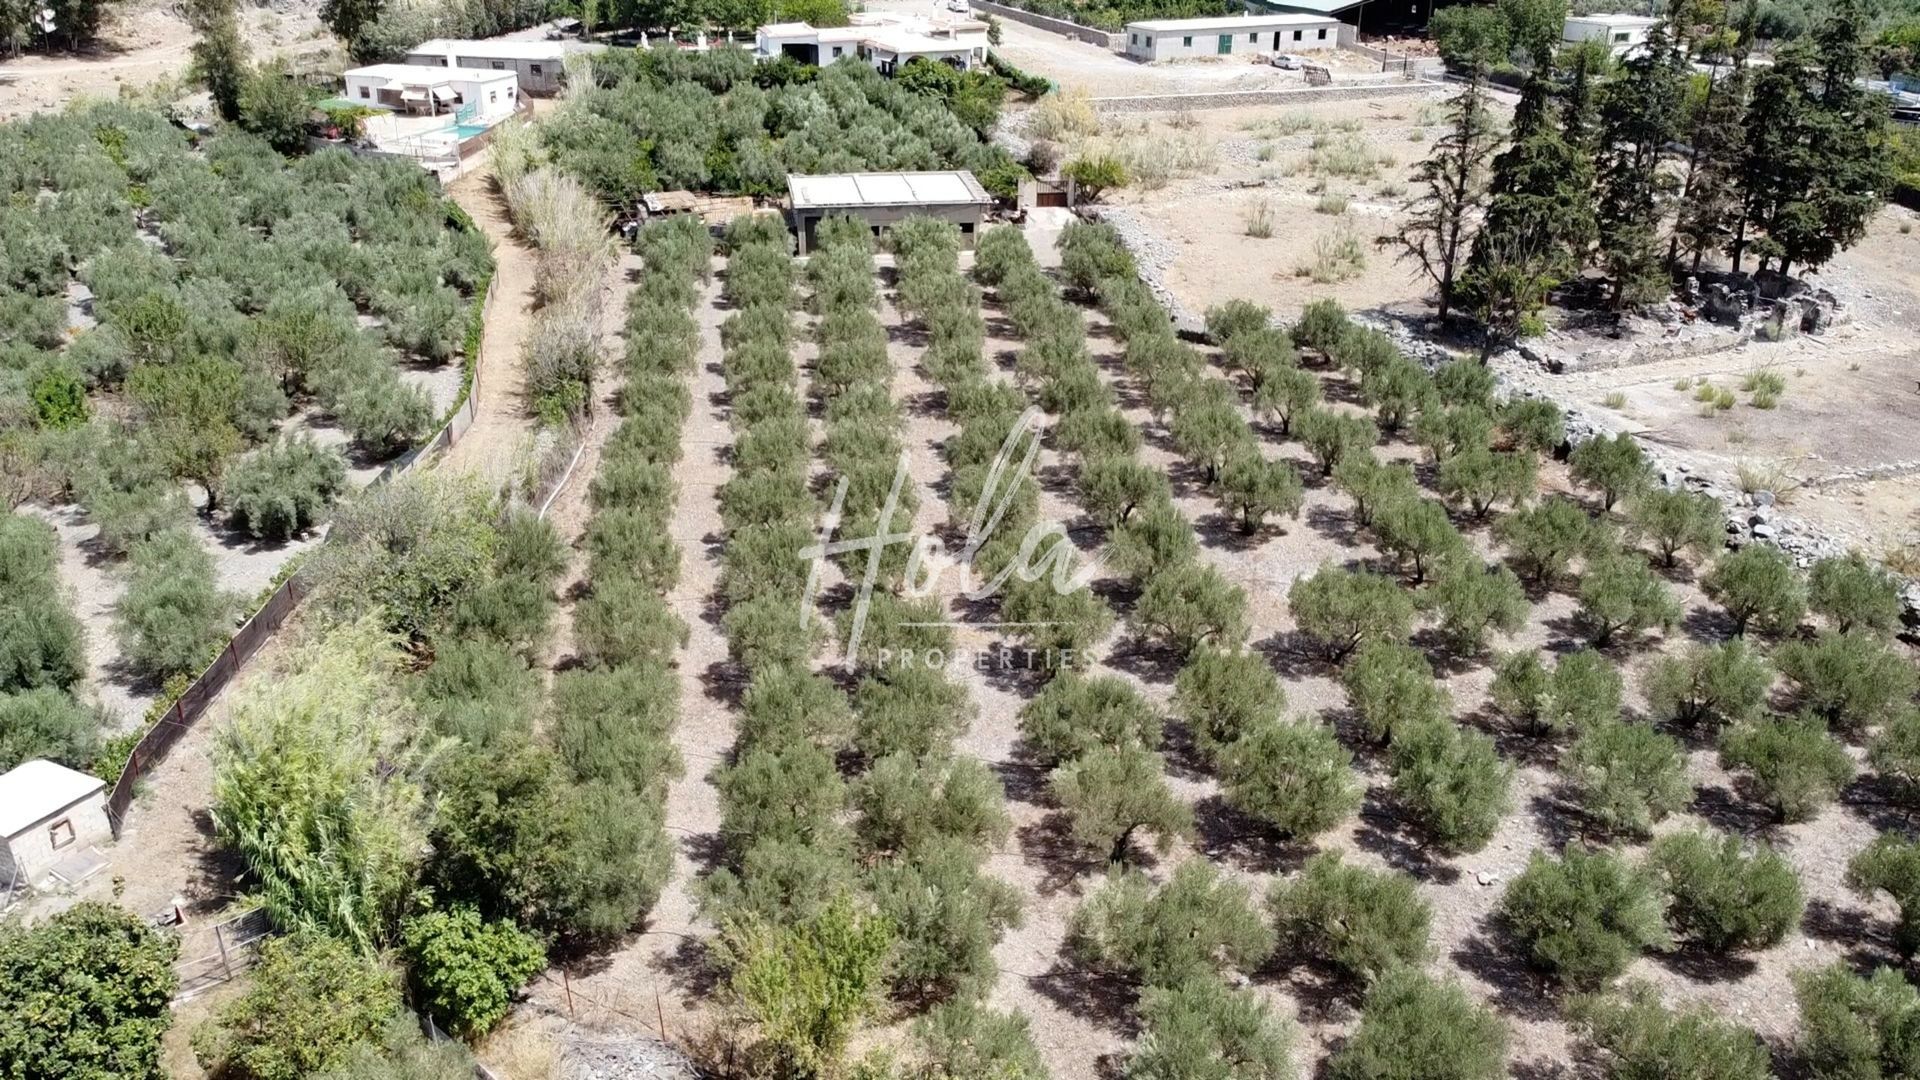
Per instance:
{"type": "Point", "coordinates": [1710, 197]}
{"type": "Point", "coordinates": [219, 54]}
{"type": "Point", "coordinates": [1453, 180]}
{"type": "Point", "coordinates": [1640, 117]}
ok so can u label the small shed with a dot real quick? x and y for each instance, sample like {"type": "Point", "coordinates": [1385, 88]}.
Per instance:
{"type": "Point", "coordinates": [538, 64]}
{"type": "Point", "coordinates": [885, 199]}
{"type": "Point", "coordinates": [48, 813]}
{"type": "Point", "coordinates": [1622, 33]}
{"type": "Point", "coordinates": [1234, 35]}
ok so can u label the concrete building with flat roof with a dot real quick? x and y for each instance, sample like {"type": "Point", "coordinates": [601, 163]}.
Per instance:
{"type": "Point", "coordinates": [432, 90]}
{"type": "Point", "coordinates": [885, 199]}
{"type": "Point", "coordinates": [537, 64]}
{"type": "Point", "coordinates": [1621, 33]}
{"type": "Point", "coordinates": [883, 40]}
{"type": "Point", "coordinates": [50, 819]}
{"type": "Point", "coordinates": [1233, 35]}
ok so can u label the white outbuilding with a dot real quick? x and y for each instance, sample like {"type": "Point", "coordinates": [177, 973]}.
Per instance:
{"type": "Point", "coordinates": [433, 90]}
{"type": "Point", "coordinates": [1621, 33]}
{"type": "Point", "coordinates": [1234, 35]}
{"type": "Point", "coordinates": [48, 814]}
{"type": "Point", "coordinates": [885, 41]}
{"type": "Point", "coordinates": [538, 64]}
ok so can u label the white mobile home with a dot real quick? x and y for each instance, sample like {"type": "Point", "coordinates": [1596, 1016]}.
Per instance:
{"type": "Point", "coordinates": [538, 64]}
{"type": "Point", "coordinates": [431, 91]}
{"type": "Point", "coordinates": [1234, 35]}
{"type": "Point", "coordinates": [1621, 33]}
{"type": "Point", "coordinates": [48, 814]}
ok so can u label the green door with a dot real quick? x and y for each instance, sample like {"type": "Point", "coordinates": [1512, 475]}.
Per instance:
{"type": "Point", "coordinates": [1226, 44]}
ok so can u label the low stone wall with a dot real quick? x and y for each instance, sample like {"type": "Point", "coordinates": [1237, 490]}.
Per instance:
{"type": "Point", "coordinates": [1236, 98]}
{"type": "Point", "coordinates": [1052, 25]}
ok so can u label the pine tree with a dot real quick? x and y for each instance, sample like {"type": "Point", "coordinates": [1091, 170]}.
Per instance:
{"type": "Point", "coordinates": [1453, 182]}
{"type": "Point", "coordinates": [1539, 219]}
{"type": "Point", "coordinates": [1710, 196]}
{"type": "Point", "coordinates": [1640, 115]}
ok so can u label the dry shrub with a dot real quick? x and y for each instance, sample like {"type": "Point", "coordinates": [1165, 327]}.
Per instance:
{"type": "Point", "coordinates": [1259, 218]}
{"type": "Point", "coordinates": [1344, 154]}
{"type": "Point", "coordinates": [1771, 474]}
{"type": "Point", "coordinates": [1064, 115]}
{"type": "Point", "coordinates": [1338, 255]}
{"type": "Point", "coordinates": [1152, 161]}
{"type": "Point", "coordinates": [568, 228]}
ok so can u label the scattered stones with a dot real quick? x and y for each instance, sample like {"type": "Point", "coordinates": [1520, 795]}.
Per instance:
{"type": "Point", "coordinates": [1485, 878]}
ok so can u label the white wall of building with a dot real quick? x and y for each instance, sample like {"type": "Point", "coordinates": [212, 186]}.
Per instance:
{"type": "Point", "coordinates": [388, 86]}
{"type": "Point", "coordinates": [35, 849]}
{"type": "Point", "coordinates": [537, 74]}
{"type": "Point", "coordinates": [1253, 36]}
{"type": "Point", "coordinates": [1621, 33]}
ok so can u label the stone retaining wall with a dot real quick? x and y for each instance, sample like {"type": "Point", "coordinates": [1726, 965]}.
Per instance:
{"type": "Point", "coordinates": [1052, 25]}
{"type": "Point", "coordinates": [1236, 98]}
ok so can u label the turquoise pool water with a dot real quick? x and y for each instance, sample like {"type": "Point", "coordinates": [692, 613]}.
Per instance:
{"type": "Point", "coordinates": [468, 131]}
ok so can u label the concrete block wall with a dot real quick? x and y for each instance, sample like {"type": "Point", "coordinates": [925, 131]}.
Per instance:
{"type": "Point", "coordinates": [1393, 87]}
{"type": "Point", "coordinates": [1074, 30]}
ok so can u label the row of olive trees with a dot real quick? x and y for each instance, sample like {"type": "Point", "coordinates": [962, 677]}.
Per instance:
{"type": "Point", "coordinates": [42, 653]}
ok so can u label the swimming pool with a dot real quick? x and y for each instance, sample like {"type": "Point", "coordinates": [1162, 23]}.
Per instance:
{"type": "Point", "coordinates": [467, 131]}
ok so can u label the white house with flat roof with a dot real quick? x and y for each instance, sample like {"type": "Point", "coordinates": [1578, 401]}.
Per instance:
{"type": "Point", "coordinates": [883, 40]}
{"type": "Point", "coordinates": [1233, 35]}
{"type": "Point", "coordinates": [430, 90]}
{"type": "Point", "coordinates": [48, 815]}
{"type": "Point", "coordinates": [1621, 33]}
{"type": "Point", "coordinates": [884, 199]}
{"type": "Point", "coordinates": [538, 64]}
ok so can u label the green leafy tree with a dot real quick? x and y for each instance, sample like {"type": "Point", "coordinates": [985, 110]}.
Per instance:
{"type": "Point", "coordinates": [1414, 1027]}
{"type": "Point", "coordinates": [1152, 543]}
{"type": "Point", "coordinates": [309, 1001]}
{"type": "Point", "coordinates": [1391, 687]}
{"type": "Point", "coordinates": [1282, 393]}
{"type": "Point", "coordinates": [1894, 752]}
{"type": "Point", "coordinates": [1619, 593]}
{"type": "Point", "coordinates": [1628, 775]}
{"type": "Point", "coordinates": [805, 987]}
{"type": "Point", "coordinates": [1482, 477]}
{"type": "Point", "coordinates": [1453, 783]}
{"type": "Point", "coordinates": [1857, 1026]}
{"type": "Point", "coordinates": [1095, 175]}
{"type": "Point", "coordinates": [961, 1039]}
{"type": "Point", "coordinates": [1891, 864]}
{"type": "Point", "coordinates": [1340, 610]}
{"type": "Point", "coordinates": [1724, 896]}
{"type": "Point", "coordinates": [283, 489]}
{"type": "Point", "coordinates": [1581, 690]}
{"type": "Point", "coordinates": [1224, 693]}
{"type": "Point", "coordinates": [1584, 916]}
{"type": "Point", "coordinates": [947, 916]}
{"type": "Point", "coordinates": [1257, 488]}
{"type": "Point", "coordinates": [1474, 599]}
{"type": "Point", "coordinates": [1850, 681]}
{"type": "Point", "coordinates": [1709, 685]}
{"type": "Point", "coordinates": [1113, 487]}
{"type": "Point", "coordinates": [219, 53]}
{"type": "Point", "coordinates": [88, 994]}
{"type": "Point", "coordinates": [1418, 533]}
{"type": "Point", "coordinates": [1545, 538]}
{"type": "Point", "coordinates": [1854, 593]}
{"type": "Point", "coordinates": [1191, 605]}
{"type": "Point", "coordinates": [1677, 521]}
{"type": "Point", "coordinates": [1616, 468]}
{"type": "Point", "coordinates": [1331, 436]}
{"type": "Point", "coordinates": [1757, 584]}
{"type": "Point", "coordinates": [1292, 776]}
{"type": "Point", "coordinates": [1640, 114]}
{"type": "Point", "coordinates": [42, 644]}
{"type": "Point", "coordinates": [275, 106]}
{"type": "Point", "coordinates": [1791, 762]}
{"type": "Point", "coordinates": [467, 969]}
{"type": "Point", "coordinates": [1197, 925]}
{"type": "Point", "coordinates": [1372, 483]}
{"type": "Point", "coordinates": [1365, 922]}
{"type": "Point", "coordinates": [1204, 1028]}
{"type": "Point", "coordinates": [1637, 1034]}
{"type": "Point", "coordinates": [173, 617]}
{"type": "Point", "coordinates": [1533, 424]}
{"type": "Point", "coordinates": [907, 803]}
{"type": "Point", "coordinates": [1109, 795]}
{"type": "Point", "coordinates": [1078, 713]}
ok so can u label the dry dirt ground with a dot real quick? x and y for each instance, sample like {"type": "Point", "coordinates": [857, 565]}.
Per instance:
{"type": "Point", "coordinates": [144, 44]}
{"type": "Point", "coordinates": [1082, 1022]}
{"type": "Point", "coordinates": [1321, 174]}
{"type": "Point", "coordinates": [1852, 401]}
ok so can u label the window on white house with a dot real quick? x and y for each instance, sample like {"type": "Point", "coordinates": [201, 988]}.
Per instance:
{"type": "Point", "coordinates": [1622, 39]}
{"type": "Point", "coordinates": [535, 68]}
{"type": "Point", "coordinates": [1186, 42]}
{"type": "Point", "coordinates": [364, 94]}
{"type": "Point", "coordinates": [1296, 35]}
{"type": "Point", "coordinates": [60, 833]}
{"type": "Point", "coordinates": [1323, 33]}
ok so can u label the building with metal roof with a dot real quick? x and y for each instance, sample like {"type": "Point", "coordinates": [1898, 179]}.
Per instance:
{"type": "Point", "coordinates": [884, 199]}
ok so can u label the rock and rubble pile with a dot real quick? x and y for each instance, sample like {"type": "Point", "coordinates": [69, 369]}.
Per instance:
{"type": "Point", "coordinates": [632, 1057]}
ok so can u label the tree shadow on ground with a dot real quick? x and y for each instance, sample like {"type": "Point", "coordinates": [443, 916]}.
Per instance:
{"type": "Point", "coordinates": [1224, 531]}
{"type": "Point", "coordinates": [1225, 834]}
{"type": "Point", "coordinates": [1866, 942]}
{"type": "Point", "coordinates": [1697, 963]}
{"type": "Point", "coordinates": [1146, 660]}
{"type": "Point", "coordinates": [1338, 526]}
{"type": "Point", "coordinates": [1885, 803]}
{"type": "Point", "coordinates": [1049, 844]}
{"type": "Point", "coordinates": [1387, 833]}
{"type": "Point", "coordinates": [1294, 655]}
{"type": "Point", "coordinates": [690, 967]}
{"type": "Point", "coordinates": [1492, 954]}
{"type": "Point", "coordinates": [217, 872]}
{"type": "Point", "coordinates": [1323, 993]}
{"type": "Point", "coordinates": [1105, 1000]}
{"type": "Point", "coordinates": [1726, 810]}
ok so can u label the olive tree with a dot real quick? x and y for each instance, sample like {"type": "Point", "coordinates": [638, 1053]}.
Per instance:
{"type": "Point", "coordinates": [1391, 687]}
{"type": "Point", "coordinates": [1581, 690]}
{"type": "Point", "coordinates": [1584, 916]}
{"type": "Point", "coordinates": [1676, 521]}
{"type": "Point", "coordinates": [1198, 924]}
{"type": "Point", "coordinates": [1619, 593]}
{"type": "Point", "coordinates": [1203, 1027]}
{"type": "Point", "coordinates": [1891, 864]}
{"type": "Point", "coordinates": [1418, 533]}
{"type": "Point", "coordinates": [1342, 609]}
{"type": "Point", "coordinates": [1293, 776]}
{"type": "Point", "coordinates": [1364, 922]}
{"type": "Point", "coordinates": [1854, 593]}
{"type": "Point", "coordinates": [1758, 585]}
{"type": "Point", "coordinates": [1330, 436]}
{"type": "Point", "coordinates": [1415, 1027]}
{"type": "Point", "coordinates": [1726, 894]}
{"type": "Point", "coordinates": [1076, 713]}
{"type": "Point", "coordinates": [1191, 605]}
{"type": "Point", "coordinates": [1709, 685]}
{"type": "Point", "coordinates": [1452, 782]}
{"type": "Point", "coordinates": [1628, 775]}
{"type": "Point", "coordinates": [1545, 538]}
{"type": "Point", "coordinates": [173, 616]}
{"type": "Point", "coordinates": [1111, 794]}
{"type": "Point", "coordinates": [1851, 681]}
{"type": "Point", "coordinates": [1790, 762]}
{"type": "Point", "coordinates": [1256, 489]}
{"type": "Point", "coordinates": [1854, 1025]}
{"type": "Point", "coordinates": [1638, 1034]}
{"type": "Point", "coordinates": [1616, 468]}
{"type": "Point", "coordinates": [1224, 693]}
{"type": "Point", "coordinates": [1473, 599]}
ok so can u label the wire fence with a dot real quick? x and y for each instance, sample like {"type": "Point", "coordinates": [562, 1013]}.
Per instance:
{"type": "Point", "coordinates": [235, 946]}
{"type": "Point", "coordinates": [260, 627]}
